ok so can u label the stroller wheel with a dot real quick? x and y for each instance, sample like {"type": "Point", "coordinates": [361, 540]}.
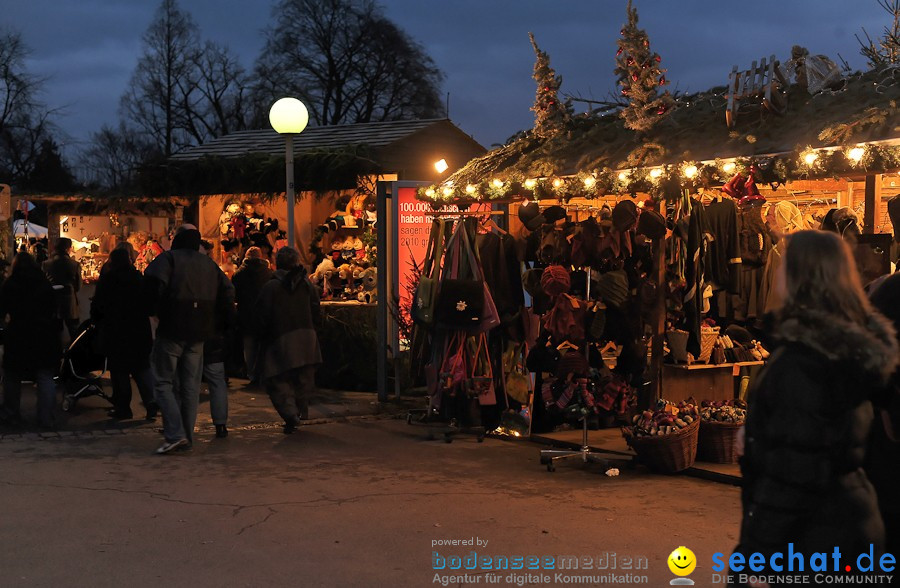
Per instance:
{"type": "Point", "coordinates": [68, 403]}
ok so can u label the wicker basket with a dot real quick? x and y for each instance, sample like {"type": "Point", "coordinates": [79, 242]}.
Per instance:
{"type": "Point", "coordinates": [717, 442]}
{"type": "Point", "coordinates": [666, 454]}
{"type": "Point", "coordinates": [708, 338]}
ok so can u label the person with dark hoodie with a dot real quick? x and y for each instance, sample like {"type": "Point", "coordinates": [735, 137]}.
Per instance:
{"type": "Point", "coordinates": [248, 281]}
{"type": "Point", "coordinates": [286, 315]}
{"type": "Point", "coordinates": [123, 323]}
{"type": "Point", "coordinates": [187, 290]}
{"type": "Point", "coordinates": [883, 456]}
{"type": "Point", "coordinates": [214, 362]}
{"type": "Point", "coordinates": [809, 411]}
{"type": "Point", "coordinates": [31, 347]}
{"type": "Point", "coordinates": [65, 275]}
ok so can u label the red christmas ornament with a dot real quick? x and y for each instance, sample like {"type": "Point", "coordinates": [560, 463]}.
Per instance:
{"type": "Point", "coordinates": [619, 52]}
{"type": "Point", "coordinates": [662, 81]}
{"type": "Point", "coordinates": [662, 110]}
{"type": "Point", "coordinates": [658, 59]}
{"type": "Point", "coordinates": [622, 32]}
{"type": "Point", "coordinates": [624, 91]}
{"type": "Point", "coordinates": [634, 77]}
{"type": "Point", "coordinates": [630, 61]}
{"type": "Point", "coordinates": [646, 43]}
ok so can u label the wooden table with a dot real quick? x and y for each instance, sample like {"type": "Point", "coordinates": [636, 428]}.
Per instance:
{"type": "Point", "coordinates": [702, 381]}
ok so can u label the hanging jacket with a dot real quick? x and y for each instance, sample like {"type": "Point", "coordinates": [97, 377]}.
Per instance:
{"type": "Point", "coordinates": [724, 258]}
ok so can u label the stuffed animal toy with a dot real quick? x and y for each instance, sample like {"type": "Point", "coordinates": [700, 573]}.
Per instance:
{"type": "Point", "coordinates": [322, 277]}
{"type": "Point", "coordinates": [368, 289]}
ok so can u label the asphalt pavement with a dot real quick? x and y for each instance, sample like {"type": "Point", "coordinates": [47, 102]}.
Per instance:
{"type": "Point", "coordinates": [356, 497]}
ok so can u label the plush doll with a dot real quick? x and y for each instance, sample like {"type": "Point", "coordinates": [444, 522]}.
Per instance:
{"type": "Point", "coordinates": [322, 277]}
{"type": "Point", "coordinates": [368, 290]}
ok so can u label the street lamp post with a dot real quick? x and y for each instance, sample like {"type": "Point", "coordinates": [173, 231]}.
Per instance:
{"type": "Point", "coordinates": [288, 116]}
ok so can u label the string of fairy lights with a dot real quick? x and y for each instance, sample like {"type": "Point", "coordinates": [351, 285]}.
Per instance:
{"type": "Point", "coordinates": [668, 181]}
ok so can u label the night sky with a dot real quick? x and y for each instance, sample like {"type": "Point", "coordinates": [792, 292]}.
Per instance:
{"type": "Point", "coordinates": [88, 49]}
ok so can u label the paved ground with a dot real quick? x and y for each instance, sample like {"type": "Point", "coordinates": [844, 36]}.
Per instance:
{"type": "Point", "coordinates": [357, 500]}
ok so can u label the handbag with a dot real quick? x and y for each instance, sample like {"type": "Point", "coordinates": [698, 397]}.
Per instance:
{"type": "Point", "coordinates": [480, 383]}
{"type": "Point", "coordinates": [460, 301]}
{"type": "Point", "coordinates": [453, 371]}
{"type": "Point", "coordinates": [426, 291]}
{"type": "Point", "coordinates": [516, 381]}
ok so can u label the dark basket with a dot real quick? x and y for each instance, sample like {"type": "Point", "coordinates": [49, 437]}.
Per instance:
{"type": "Point", "coordinates": [666, 454]}
{"type": "Point", "coordinates": [717, 441]}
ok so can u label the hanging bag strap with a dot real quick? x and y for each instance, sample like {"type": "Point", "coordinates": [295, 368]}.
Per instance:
{"type": "Point", "coordinates": [431, 249]}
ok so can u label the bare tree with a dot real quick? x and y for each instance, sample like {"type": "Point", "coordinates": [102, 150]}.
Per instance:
{"type": "Point", "coordinates": [164, 79]}
{"type": "Point", "coordinates": [886, 50]}
{"type": "Point", "coordinates": [24, 119]}
{"type": "Point", "coordinates": [347, 62]}
{"type": "Point", "coordinates": [113, 158]}
{"type": "Point", "coordinates": [221, 102]}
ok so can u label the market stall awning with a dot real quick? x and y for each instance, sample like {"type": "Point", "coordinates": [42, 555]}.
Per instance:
{"type": "Point", "coordinates": [23, 229]}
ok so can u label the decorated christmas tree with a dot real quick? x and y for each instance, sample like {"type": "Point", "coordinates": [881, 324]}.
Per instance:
{"type": "Point", "coordinates": [640, 77]}
{"type": "Point", "coordinates": [550, 115]}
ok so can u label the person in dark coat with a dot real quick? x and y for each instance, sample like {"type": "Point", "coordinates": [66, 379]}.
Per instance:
{"type": "Point", "coordinates": [214, 362]}
{"type": "Point", "coordinates": [186, 290]}
{"type": "Point", "coordinates": [65, 274]}
{"type": "Point", "coordinates": [248, 281]}
{"type": "Point", "coordinates": [123, 324]}
{"type": "Point", "coordinates": [809, 412]}
{"type": "Point", "coordinates": [883, 455]}
{"type": "Point", "coordinates": [32, 345]}
{"type": "Point", "coordinates": [286, 315]}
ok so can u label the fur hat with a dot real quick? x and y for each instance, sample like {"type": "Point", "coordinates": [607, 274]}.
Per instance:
{"type": "Point", "coordinates": [555, 281]}
{"type": "Point", "coordinates": [651, 224]}
{"type": "Point", "coordinates": [624, 215]}
{"type": "Point", "coordinates": [528, 214]}
{"type": "Point", "coordinates": [612, 287]}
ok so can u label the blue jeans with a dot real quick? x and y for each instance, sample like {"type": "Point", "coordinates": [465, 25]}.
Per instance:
{"type": "Point", "coordinates": [177, 404]}
{"type": "Point", "coordinates": [46, 395]}
{"type": "Point", "coordinates": [214, 374]}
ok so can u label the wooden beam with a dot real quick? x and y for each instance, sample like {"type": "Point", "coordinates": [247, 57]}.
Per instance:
{"type": "Point", "coordinates": [872, 183]}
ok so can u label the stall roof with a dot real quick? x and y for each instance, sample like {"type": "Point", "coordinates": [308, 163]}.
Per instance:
{"type": "Point", "coordinates": [864, 110]}
{"type": "Point", "coordinates": [373, 134]}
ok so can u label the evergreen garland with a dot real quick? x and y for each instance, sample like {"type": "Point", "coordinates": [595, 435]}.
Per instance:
{"type": "Point", "coordinates": [640, 77]}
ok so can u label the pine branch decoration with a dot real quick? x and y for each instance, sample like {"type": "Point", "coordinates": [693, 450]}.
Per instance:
{"type": "Point", "coordinates": [640, 77]}
{"type": "Point", "coordinates": [550, 115]}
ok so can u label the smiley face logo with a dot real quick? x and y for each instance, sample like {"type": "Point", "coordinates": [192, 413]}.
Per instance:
{"type": "Point", "coordinates": [682, 561]}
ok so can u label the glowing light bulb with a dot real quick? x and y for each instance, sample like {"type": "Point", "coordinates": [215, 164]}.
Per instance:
{"type": "Point", "coordinates": [690, 171]}
{"type": "Point", "coordinates": [530, 183]}
{"type": "Point", "coordinates": [429, 192]}
{"type": "Point", "coordinates": [497, 183]}
{"type": "Point", "coordinates": [589, 181]}
{"type": "Point", "coordinates": [441, 165]}
{"type": "Point", "coordinates": [470, 189]}
{"type": "Point", "coordinates": [655, 172]}
{"type": "Point", "coordinates": [856, 154]}
{"type": "Point", "coordinates": [811, 157]}
{"type": "Point", "coordinates": [623, 176]}
{"type": "Point", "coordinates": [448, 192]}
{"type": "Point", "coordinates": [557, 183]}
{"type": "Point", "coordinates": [729, 167]}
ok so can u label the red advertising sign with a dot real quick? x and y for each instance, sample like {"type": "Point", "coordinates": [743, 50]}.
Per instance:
{"type": "Point", "coordinates": [413, 227]}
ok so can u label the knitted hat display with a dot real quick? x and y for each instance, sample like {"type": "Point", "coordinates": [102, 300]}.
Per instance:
{"type": "Point", "coordinates": [555, 280]}
{"type": "Point", "coordinates": [612, 287]}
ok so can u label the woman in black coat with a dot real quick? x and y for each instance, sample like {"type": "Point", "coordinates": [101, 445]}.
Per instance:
{"type": "Point", "coordinates": [810, 414]}
{"type": "Point", "coordinates": [31, 346]}
{"type": "Point", "coordinates": [121, 316]}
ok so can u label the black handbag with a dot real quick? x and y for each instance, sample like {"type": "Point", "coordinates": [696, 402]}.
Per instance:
{"type": "Point", "coordinates": [423, 306]}
{"type": "Point", "coordinates": [460, 301]}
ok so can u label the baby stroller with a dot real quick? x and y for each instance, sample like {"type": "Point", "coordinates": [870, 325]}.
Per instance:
{"type": "Point", "coordinates": [83, 368]}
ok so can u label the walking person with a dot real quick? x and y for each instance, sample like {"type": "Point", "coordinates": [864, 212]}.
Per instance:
{"type": "Point", "coordinates": [187, 290]}
{"type": "Point", "coordinates": [65, 275]}
{"type": "Point", "coordinates": [286, 316]}
{"type": "Point", "coordinates": [809, 412]}
{"type": "Point", "coordinates": [123, 322]}
{"type": "Point", "coordinates": [214, 361]}
{"type": "Point", "coordinates": [31, 347]}
{"type": "Point", "coordinates": [248, 281]}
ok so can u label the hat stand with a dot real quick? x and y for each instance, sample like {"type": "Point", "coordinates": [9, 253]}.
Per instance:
{"type": "Point", "coordinates": [549, 457]}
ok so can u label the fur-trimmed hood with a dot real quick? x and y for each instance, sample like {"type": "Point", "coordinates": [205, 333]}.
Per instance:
{"type": "Point", "coordinates": [870, 351]}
